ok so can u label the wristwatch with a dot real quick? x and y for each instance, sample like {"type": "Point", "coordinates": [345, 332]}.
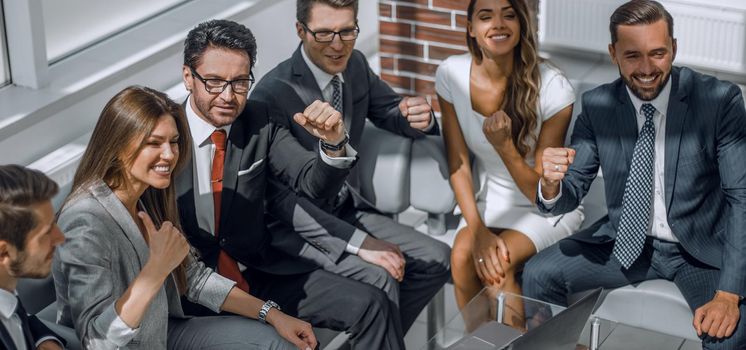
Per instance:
{"type": "Point", "coordinates": [337, 147]}
{"type": "Point", "coordinates": [265, 309]}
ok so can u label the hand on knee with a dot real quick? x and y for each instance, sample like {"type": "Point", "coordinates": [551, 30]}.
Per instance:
{"type": "Point", "coordinates": [719, 317]}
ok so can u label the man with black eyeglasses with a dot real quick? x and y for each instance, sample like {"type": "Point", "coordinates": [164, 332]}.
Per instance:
{"type": "Point", "coordinates": [221, 194]}
{"type": "Point", "coordinates": [354, 240]}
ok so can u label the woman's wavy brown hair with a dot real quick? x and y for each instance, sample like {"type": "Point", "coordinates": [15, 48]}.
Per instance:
{"type": "Point", "coordinates": [127, 120]}
{"type": "Point", "coordinates": [522, 93]}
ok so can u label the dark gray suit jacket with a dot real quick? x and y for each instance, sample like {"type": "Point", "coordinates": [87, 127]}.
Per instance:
{"type": "Point", "coordinates": [37, 329]}
{"type": "Point", "coordinates": [705, 172]}
{"type": "Point", "coordinates": [289, 88]}
{"type": "Point", "coordinates": [257, 148]}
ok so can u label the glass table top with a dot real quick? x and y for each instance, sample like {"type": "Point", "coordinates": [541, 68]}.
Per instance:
{"type": "Point", "coordinates": [463, 330]}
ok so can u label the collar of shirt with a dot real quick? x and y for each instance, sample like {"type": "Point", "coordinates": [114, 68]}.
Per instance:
{"type": "Point", "coordinates": [201, 129]}
{"type": "Point", "coordinates": [660, 102]}
{"type": "Point", "coordinates": [8, 301]}
{"type": "Point", "coordinates": [322, 78]}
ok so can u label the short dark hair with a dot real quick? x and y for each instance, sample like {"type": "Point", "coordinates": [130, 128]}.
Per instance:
{"type": "Point", "coordinates": [303, 7]}
{"type": "Point", "coordinates": [21, 188]}
{"type": "Point", "coordinates": [221, 34]}
{"type": "Point", "coordinates": [639, 12]}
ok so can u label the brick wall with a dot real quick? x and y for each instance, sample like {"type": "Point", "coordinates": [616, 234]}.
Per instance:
{"type": "Point", "coordinates": [416, 36]}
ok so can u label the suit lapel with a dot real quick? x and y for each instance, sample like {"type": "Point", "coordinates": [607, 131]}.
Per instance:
{"type": "Point", "coordinates": [184, 183]}
{"type": "Point", "coordinates": [304, 83]}
{"type": "Point", "coordinates": [625, 123]}
{"type": "Point", "coordinates": [675, 117]}
{"type": "Point", "coordinates": [233, 155]}
{"type": "Point", "coordinates": [119, 214]}
{"type": "Point", "coordinates": [5, 339]}
{"type": "Point", "coordinates": [347, 101]}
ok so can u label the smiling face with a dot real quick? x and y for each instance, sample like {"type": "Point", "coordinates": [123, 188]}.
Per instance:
{"type": "Point", "coordinates": [495, 26]}
{"type": "Point", "coordinates": [218, 63]}
{"type": "Point", "coordinates": [644, 54]}
{"type": "Point", "coordinates": [35, 260]}
{"type": "Point", "coordinates": [157, 158]}
{"type": "Point", "coordinates": [331, 57]}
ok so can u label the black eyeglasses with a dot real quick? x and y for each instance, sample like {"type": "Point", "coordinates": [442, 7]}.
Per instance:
{"type": "Point", "coordinates": [217, 86]}
{"type": "Point", "coordinates": [327, 36]}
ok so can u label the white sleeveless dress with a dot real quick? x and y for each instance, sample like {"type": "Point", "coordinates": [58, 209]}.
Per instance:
{"type": "Point", "coordinates": [499, 201]}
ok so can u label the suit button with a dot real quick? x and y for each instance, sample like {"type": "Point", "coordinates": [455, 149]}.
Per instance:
{"type": "Point", "coordinates": [222, 242]}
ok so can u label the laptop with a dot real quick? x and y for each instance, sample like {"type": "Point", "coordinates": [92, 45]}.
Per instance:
{"type": "Point", "coordinates": [560, 332]}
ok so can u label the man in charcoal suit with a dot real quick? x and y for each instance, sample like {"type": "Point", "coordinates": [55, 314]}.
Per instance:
{"type": "Point", "coordinates": [354, 240]}
{"type": "Point", "coordinates": [671, 143]}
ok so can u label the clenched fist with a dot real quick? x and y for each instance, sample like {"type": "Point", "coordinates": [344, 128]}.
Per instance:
{"type": "Point", "coordinates": [555, 162]}
{"type": "Point", "coordinates": [417, 111]}
{"type": "Point", "coordinates": [320, 119]}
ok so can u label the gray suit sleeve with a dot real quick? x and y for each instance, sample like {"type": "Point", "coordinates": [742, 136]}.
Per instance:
{"type": "Point", "coordinates": [85, 260]}
{"type": "Point", "coordinates": [383, 106]}
{"type": "Point", "coordinates": [581, 172]}
{"type": "Point", "coordinates": [204, 286]}
{"type": "Point", "coordinates": [731, 148]}
{"type": "Point", "coordinates": [303, 170]}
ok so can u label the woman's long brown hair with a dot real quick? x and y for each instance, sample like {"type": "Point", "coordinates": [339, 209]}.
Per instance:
{"type": "Point", "coordinates": [127, 120]}
{"type": "Point", "coordinates": [522, 93]}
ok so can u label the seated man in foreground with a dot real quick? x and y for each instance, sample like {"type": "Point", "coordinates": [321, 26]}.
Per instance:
{"type": "Point", "coordinates": [28, 237]}
{"type": "Point", "coordinates": [671, 143]}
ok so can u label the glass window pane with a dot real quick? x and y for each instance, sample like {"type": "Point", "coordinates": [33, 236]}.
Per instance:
{"type": "Point", "coordinates": [4, 69]}
{"type": "Point", "coordinates": [71, 25]}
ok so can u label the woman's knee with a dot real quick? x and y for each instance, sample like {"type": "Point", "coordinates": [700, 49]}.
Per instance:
{"type": "Point", "coordinates": [462, 250]}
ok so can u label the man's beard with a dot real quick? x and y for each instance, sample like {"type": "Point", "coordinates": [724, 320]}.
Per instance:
{"type": "Point", "coordinates": [20, 270]}
{"type": "Point", "coordinates": [644, 94]}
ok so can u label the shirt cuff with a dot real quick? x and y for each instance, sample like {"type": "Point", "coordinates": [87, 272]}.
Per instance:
{"type": "Point", "coordinates": [49, 337]}
{"type": "Point", "coordinates": [339, 162]}
{"type": "Point", "coordinates": [549, 203]}
{"type": "Point", "coordinates": [432, 123]}
{"type": "Point", "coordinates": [356, 241]}
{"type": "Point", "coordinates": [120, 333]}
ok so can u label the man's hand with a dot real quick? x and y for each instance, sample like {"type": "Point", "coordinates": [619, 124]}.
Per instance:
{"type": "Point", "coordinates": [49, 345]}
{"type": "Point", "coordinates": [555, 162]}
{"type": "Point", "coordinates": [719, 317]}
{"type": "Point", "coordinates": [417, 111]}
{"type": "Point", "coordinates": [320, 119]}
{"type": "Point", "coordinates": [384, 254]}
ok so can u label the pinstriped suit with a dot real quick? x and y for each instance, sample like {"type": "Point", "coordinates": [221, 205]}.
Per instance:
{"type": "Point", "coordinates": [705, 196]}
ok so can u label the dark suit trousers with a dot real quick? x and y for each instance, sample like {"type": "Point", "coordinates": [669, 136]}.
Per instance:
{"type": "Point", "coordinates": [327, 300]}
{"type": "Point", "coordinates": [427, 266]}
{"type": "Point", "coordinates": [572, 266]}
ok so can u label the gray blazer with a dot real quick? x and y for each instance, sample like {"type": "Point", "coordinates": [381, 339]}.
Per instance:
{"type": "Point", "coordinates": [103, 253]}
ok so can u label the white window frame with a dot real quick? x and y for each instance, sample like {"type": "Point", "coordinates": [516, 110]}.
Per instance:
{"type": "Point", "coordinates": [4, 68]}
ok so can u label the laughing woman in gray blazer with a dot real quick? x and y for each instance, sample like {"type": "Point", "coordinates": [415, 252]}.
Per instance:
{"type": "Point", "coordinates": [125, 262]}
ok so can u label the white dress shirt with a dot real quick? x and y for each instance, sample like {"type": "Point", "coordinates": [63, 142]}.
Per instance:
{"type": "Point", "coordinates": [11, 321]}
{"type": "Point", "coordinates": [657, 227]}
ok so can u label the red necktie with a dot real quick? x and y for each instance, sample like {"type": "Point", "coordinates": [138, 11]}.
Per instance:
{"type": "Point", "coordinates": [226, 265]}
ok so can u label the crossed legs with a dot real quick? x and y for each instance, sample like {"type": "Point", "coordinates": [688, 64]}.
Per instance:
{"type": "Point", "coordinates": [467, 282]}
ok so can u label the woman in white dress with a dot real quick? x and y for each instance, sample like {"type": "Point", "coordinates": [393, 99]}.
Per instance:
{"type": "Point", "coordinates": [503, 104]}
